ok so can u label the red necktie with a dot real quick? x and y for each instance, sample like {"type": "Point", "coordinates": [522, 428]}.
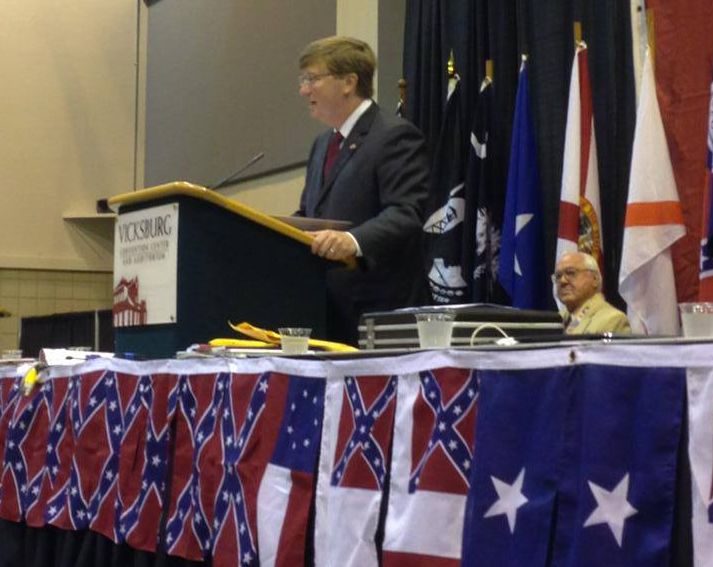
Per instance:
{"type": "Point", "coordinates": [332, 152]}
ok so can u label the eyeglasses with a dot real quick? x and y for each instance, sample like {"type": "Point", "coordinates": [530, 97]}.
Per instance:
{"type": "Point", "coordinates": [568, 274]}
{"type": "Point", "coordinates": [309, 79]}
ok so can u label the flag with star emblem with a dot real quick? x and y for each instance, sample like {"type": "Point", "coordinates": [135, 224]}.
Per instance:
{"type": "Point", "coordinates": [49, 405]}
{"type": "Point", "coordinates": [60, 449]}
{"type": "Point", "coordinates": [82, 492]}
{"type": "Point", "coordinates": [515, 473]}
{"type": "Point", "coordinates": [522, 259]}
{"type": "Point", "coordinates": [108, 452]}
{"type": "Point", "coordinates": [286, 488]}
{"type": "Point", "coordinates": [563, 471]}
{"type": "Point", "coordinates": [432, 455]}
{"type": "Point", "coordinates": [354, 461]}
{"type": "Point", "coordinates": [25, 433]}
{"type": "Point", "coordinates": [66, 443]}
{"type": "Point", "coordinates": [226, 430]}
{"type": "Point", "coordinates": [700, 452]}
{"type": "Point", "coordinates": [614, 508]}
{"type": "Point", "coordinates": [147, 404]}
{"type": "Point", "coordinates": [9, 395]}
{"type": "Point", "coordinates": [705, 292]}
{"type": "Point", "coordinates": [580, 212]}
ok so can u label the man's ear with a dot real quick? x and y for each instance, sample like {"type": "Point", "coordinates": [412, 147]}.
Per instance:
{"type": "Point", "coordinates": [350, 83]}
{"type": "Point", "coordinates": [598, 282]}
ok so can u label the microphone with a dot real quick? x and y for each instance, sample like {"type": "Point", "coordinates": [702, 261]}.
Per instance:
{"type": "Point", "coordinates": [233, 175]}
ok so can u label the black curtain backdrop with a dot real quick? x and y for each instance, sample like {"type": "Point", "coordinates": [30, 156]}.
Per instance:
{"type": "Point", "coordinates": [64, 330]}
{"type": "Point", "coordinates": [23, 546]}
{"type": "Point", "coordinates": [480, 29]}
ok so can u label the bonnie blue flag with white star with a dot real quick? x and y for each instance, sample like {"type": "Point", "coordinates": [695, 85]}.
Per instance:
{"type": "Point", "coordinates": [563, 469]}
{"type": "Point", "coordinates": [615, 507]}
{"type": "Point", "coordinates": [522, 259]}
{"type": "Point", "coordinates": [515, 470]}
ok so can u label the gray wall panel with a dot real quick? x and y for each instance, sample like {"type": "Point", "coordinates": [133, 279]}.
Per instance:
{"type": "Point", "coordinates": [221, 85]}
{"type": "Point", "coordinates": [391, 47]}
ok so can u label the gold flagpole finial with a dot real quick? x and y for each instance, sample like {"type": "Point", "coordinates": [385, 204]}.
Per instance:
{"type": "Point", "coordinates": [651, 36]}
{"type": "Point", "coordinates": [577, 33]}
{"type": "Point", "coordinates": [451, 66]}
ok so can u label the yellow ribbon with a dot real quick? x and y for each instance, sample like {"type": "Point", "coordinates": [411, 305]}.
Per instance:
{"type": "Point", "coordinates": [272, 338]}
{"type": "Point", "coordinates": [239, 343]}
{"type": "Point", "coordinates": [31, 378]}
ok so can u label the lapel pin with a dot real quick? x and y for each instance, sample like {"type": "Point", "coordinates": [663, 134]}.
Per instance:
{"type": "Point", "coordinates": [353, 147]}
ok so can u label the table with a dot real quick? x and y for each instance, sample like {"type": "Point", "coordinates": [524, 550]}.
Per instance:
{"type": "Point", "coordinates": [573, 454]}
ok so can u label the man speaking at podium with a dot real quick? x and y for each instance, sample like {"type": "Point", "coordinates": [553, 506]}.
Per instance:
{"type": "Point", "coordinates": [371, 169]}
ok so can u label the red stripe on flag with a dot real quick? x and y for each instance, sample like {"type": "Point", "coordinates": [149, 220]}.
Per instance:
{"type": "Point", "coordinates": [568, 221]}
{"type": "Point", "coordinates": [402, 559]}
{"type": "Point", "coordinates": [653, 214]}
{"type": "Point", "coordinates": [291, 549]}
{"type": "Point", "coordinates": [705, 293]}
{"type": "Point", "coordinates": [585, 117]}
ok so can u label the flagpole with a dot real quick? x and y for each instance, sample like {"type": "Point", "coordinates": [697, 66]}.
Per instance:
{"type": "Point", "coordinates": [402, 96]}
{"type": "Point", "coordinates": [651, 37]}
{"type": "Point", "coordinates": [637, 9]}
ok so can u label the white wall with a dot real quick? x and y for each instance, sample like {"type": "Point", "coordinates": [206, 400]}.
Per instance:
{"type": "Point", "coordinates": [67, 127]}
{"type": "Point", "coordinates": [71, 129]}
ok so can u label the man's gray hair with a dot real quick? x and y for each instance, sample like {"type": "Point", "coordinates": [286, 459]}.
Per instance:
{"type": "Point", "coordinates": [591, 264]}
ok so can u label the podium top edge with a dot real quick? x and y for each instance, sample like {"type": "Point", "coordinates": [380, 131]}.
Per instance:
{"type": "Point", "coordinates": [183, 188]}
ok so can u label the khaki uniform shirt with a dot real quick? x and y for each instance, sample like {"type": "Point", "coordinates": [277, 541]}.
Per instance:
{"type": "Point", "coordinates": [596, 316]}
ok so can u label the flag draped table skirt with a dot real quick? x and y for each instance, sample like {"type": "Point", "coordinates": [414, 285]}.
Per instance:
{"type": "Point", "coordinates": [561, 455]}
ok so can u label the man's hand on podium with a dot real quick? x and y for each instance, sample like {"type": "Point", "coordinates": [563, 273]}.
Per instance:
{"type": "Point", "coordinates": [334, 244]}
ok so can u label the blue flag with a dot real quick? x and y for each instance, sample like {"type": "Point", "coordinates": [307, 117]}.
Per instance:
{"type": "Point", "coordinates": [615, 508]}
{"type": "Point", "coordinates": [515, 470]}
{"type": "Point", "coordinates": [522, 258]}
{"type": "Point", "coordinates": [562, 472]}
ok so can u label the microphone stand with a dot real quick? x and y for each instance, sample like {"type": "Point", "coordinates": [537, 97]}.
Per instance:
{"type": "Point", "coordinates": [228, 180]}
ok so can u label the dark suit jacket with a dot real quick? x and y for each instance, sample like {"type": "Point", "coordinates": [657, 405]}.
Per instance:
{"type": "Point", "coordinates": [379, 182]}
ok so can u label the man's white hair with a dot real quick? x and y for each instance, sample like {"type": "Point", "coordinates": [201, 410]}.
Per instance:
{"type": "Point", "coordinates": [589, 263]}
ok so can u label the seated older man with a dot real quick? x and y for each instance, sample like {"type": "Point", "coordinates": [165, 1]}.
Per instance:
{"type": "Point", "coordinates": [579, 288]}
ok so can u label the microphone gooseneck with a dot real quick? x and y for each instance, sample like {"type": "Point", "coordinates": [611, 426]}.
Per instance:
{"type": "Point", "coordinates": [256, 158]}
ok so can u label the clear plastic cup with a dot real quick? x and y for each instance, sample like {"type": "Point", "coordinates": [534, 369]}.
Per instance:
{"type": "Point", "coordinates": [294, 340]}
{"type": "Point", "coordinates": [697, 319]}
{"type": "Point", "coordinates": [435, 328]}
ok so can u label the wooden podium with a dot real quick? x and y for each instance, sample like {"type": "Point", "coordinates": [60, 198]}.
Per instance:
{"type": "Point", "coordinates": [233, 264]}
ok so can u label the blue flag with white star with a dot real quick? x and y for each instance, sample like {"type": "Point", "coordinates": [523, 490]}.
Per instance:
{"type": "Point", "coordinates": [513, 481]}
{"type": "Point", "coordinates": [522, 258]}
{"type": "Point", "coordinates": [562, 472]}
{"type": "Point", "coordinates": [615, 508]}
